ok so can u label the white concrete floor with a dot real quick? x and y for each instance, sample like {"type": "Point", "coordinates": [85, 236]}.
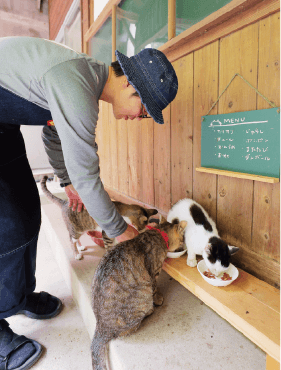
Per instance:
{"type": "Point", "coordinates": [65, 339]}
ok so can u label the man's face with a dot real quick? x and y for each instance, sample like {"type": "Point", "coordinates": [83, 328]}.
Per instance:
{"type": "Point", "coordinates": [126, 104]}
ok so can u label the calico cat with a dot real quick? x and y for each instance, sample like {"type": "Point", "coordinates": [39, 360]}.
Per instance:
{"type": "Point", "coordinates": [124, 287]}
{"type": "Point", "coordinates": [78, 223]}
{"type": "Point", "coordinates": [201, 236]}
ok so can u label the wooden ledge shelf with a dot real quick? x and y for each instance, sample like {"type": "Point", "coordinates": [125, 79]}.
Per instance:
{"type": "Point", "coordinates": [240, 175]}
{"type": "Point", "coordinates": [249, 304]}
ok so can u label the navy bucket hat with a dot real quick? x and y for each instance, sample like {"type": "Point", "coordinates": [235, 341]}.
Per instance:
{"type": "Point", "coordinates": [153, 77]}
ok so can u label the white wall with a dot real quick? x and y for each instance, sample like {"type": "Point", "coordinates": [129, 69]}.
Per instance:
{"type": "Point", "coordinates": [98, 7]}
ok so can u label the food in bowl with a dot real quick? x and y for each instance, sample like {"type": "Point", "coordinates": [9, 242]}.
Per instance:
{"type": "Point", "coordinates": [224, 279]}
{"type": "Point", "coordinates": [226, 276]}
{"type": "Point", "coordinates": [209, 274]}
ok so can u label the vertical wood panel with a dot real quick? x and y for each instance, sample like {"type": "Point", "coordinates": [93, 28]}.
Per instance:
{"type": "Point", "coordinates": [205, 94]}
{"type": "Point", "coordinates": [123, 178]}
{"type": "Point", "coordinates": [106, 146]}
{"type": "Point", "coordinates": [238, 54]}
{"type": "Point", "coordinates": [266, 229]}
{"type": "Point", "coordinates": [162, 162]}
{"type": "Point", "coordinates": [99, 139]}
{"type": "Point", "coordinates": [154, 164]}
{"type": "Point", "coordinates": [134, 158]}
{"type": "Point", "coordinates": [113, 148]}
{"type": "Point", "coordinates": [147, 168]}
{"type": "Point", "coordinates": [182, 131]}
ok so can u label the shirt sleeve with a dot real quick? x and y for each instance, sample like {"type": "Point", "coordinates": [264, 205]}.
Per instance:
{"type": "Point", "coordinates": [70, 90]}
{"type": "Point", "coordinates": [53, 149]}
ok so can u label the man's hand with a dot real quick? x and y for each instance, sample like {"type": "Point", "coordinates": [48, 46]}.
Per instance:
{"type": "Point", "coordinates": [96, 237]}
{"type": "Point", "coordinates": [73, 198]}
{"type": "Point", "coordinates": [130, 233]}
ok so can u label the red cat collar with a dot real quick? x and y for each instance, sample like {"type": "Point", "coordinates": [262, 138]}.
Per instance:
{"type": "Point", "coordinates": [164, 235]}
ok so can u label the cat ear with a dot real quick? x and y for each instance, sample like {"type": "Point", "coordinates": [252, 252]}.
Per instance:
{"type": "Point", "coordinates": [181, 226]}
{"type": "Point", "coordinates": [151, 212]}
{"type": "Point", "coordinates": [233, 249]}
{"type": "Point", "coordinates": [162, 219]}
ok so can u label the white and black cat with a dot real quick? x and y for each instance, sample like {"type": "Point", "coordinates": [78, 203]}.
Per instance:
{"type": "Point", "coordinates": [201, 236]}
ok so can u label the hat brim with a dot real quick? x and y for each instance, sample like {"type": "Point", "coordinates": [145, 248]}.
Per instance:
{"type": "Point", "coordinates": [135, 78]}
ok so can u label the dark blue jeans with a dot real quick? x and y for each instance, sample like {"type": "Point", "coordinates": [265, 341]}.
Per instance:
{"type": "Point", "coordinates": [20, 214]}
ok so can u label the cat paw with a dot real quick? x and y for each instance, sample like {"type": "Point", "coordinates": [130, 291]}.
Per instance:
{"type": "Point", "coordinates": [191, 263]}
{"type": "Point", "coordinates": [81, 247]}
{"type": "Point", "coordinates": [158, 299]}
{"type": "Point", "coordinates": [79, 256]}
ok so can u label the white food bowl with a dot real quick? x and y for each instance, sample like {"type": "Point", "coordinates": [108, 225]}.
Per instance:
{"type": "Point", "coordinates": [232, 272]}
{"type": "Point", "coordinates": [176, 254]}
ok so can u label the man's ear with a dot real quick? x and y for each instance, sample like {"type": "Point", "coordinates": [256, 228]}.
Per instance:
{"type": "Point", "coordinates": [125, 83]}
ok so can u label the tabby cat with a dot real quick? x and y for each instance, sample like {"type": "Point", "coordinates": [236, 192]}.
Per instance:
{"type": "Point", "coordinates": [78, 223]}
{"type": "Point", "coordinates": [124, 287]}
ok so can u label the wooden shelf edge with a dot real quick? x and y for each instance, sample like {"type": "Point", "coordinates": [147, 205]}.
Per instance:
{"type": "Point", "coordinates": [262, 341]}
{"type": "Point", "coordinates": [272, 180]}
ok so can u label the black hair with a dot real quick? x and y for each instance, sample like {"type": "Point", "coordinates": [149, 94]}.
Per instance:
{"type": "Point", "coordinates": [119, 72]}
{"type": "Point", "coordinates": [117, 69]}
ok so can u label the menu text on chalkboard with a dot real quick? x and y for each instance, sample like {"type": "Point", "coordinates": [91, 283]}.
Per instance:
{"type": "Point", "coordinates": [247, 142]}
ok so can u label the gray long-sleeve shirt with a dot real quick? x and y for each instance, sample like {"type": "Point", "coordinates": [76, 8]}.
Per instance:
{"type": "Point", "coordinates": [69, 85]}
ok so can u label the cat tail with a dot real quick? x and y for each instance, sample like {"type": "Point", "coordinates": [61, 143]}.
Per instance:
{"type": "Point", "coordinates": [49, 195]}
{"type": "Point", "coordinates": [99, 350]}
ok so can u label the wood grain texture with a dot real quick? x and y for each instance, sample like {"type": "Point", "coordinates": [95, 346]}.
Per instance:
{"type": "Point", "coordinates": [162, 162]}
{"type": "Point", "coordinates": [113, 142]}
{"type": "Point", "coordinates": [266, 229]}
{"type": "Point", "coordinates": [206, 76]}
{"type": "Point", "coordinates": [238, 54]}
{"type": "Point", "coordinates": [134, 158]}
{"type": "Point", "coordinates": [182, 132]}
{"type": "Point", "coordinates": [107, 178]}
{"type": "Point", "coordinates": [123, 164]}
{"type": "Point", "coordinates": [242, 303]}
{"type": "Point", "coordinates": [147, 167]}
{"type": "Point", "coordinates": [99, 139]}
{"type": "Point", "coordinates": [154, 164]}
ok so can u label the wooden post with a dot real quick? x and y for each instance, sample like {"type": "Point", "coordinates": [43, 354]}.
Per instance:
{"type": "Point", "coordinates": [113, 32]}
{"type": "Point", "coordinates": [91, 11]}
{"type": "Point", "coordinates": [171, 19]}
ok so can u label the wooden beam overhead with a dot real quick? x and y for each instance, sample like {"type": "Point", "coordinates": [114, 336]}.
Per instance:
{"type": "Point", "coordinates": [101, 19]}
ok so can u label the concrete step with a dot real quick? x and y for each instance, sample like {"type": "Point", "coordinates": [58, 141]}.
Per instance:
{"type": "Point", "coordinates": [63, 337]}
{"type": "Point", "coordinates": [38, 173]}
{"type": "Point", "coordinates": [181, 334]}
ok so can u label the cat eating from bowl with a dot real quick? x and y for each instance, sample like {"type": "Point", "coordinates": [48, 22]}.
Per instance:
{"type": "Point", "coordinates": [201, 236]}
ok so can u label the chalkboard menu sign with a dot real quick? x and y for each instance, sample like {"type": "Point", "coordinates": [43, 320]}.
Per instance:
{"type": "Point", "coordinates": [245, 142]}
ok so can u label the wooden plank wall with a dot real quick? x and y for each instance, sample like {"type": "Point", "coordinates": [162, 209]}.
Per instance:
{"type": "Point", "coordinates": [155, 164]}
